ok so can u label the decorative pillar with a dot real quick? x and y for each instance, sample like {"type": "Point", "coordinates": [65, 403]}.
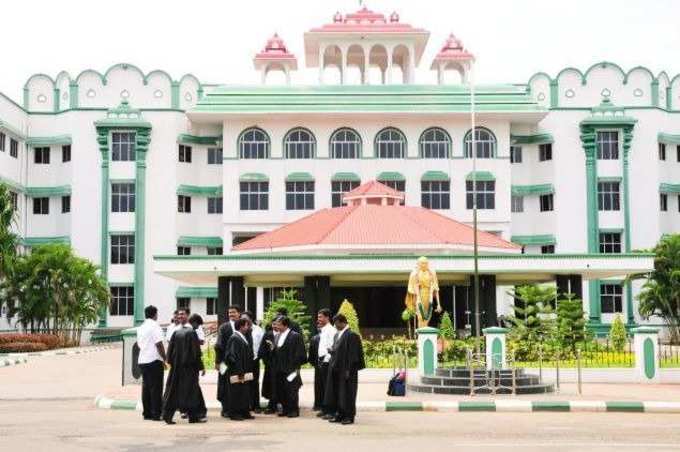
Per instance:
{"type": "Point", "coordinates": [554, 94]}
{"type": "Point", "coordinates": [259, 303]}
{"type": "Point", "coordinates": [174, 94]}
{"type": "Point", "coordinates": [427, 350]}
{"type": "Point", "coordinates": [322, 51]}
{"type": "Point", "coordinates": [73, 95]}
{"type": "Point", "coordinates": [588, 140]}
{"type": "Point", "coordinates": [646, 340]}
{"type": "Point", "coordinates": [655, 92]}
{"type": "Point", "coordinates": [367, 61]}
{"type": "Point", "coordinates": [627, 235]}
{"type": "Point", "coordinates": [344, 54]}
{"type": "Point", "coordinates": [103, 142]}
{"type": "Point", "coordinates": [495, 348]}
{"type": "Point", "coordinates": [389, 67]}
{"type": "Point", "coordinates": [142, 140]}
{"type": "Point", "coordinates": [222, 299]}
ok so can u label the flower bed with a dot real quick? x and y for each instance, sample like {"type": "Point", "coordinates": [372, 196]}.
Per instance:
{"type": "Point", "coordinates": [22, 343]}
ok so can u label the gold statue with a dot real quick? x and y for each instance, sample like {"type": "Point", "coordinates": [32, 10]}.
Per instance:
{"type": "Point", "coordinates": [423, 287]}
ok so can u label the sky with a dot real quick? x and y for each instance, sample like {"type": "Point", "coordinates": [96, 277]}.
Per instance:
{"type": "Point", "coordinates": [217, 39]}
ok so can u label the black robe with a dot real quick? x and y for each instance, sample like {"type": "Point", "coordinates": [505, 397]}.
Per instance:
{"type": "Point", "coordinates": [266, 354]}
{"type": "Point", "coordinates": [347, 359]}
{"type": "Point", "coordinates": [239, 360]}
{"type": "Point", "coordinates": [182, 391]}
{"type": "Point", "coordinates": [224, 332]}
{"type": "Point", "coordinates": [313, 359]}
{"type": "Point", "coordinates": [288, 357]}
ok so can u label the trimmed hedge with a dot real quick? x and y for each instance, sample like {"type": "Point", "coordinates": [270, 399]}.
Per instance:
{"type": "Point", "coordinates": [22, 347]}
{"type": "Point", "coordinates": [43, 341]}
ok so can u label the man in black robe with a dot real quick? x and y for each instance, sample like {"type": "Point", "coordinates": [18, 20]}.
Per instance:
{"type": "Point", "coordinates": [347, 359]}
{"type": "Point", "coordinates": [239, 360]}
{"type": "Point", "coordinates": [266, 354]}
{"type": "Point", "coordinates": [182, 391]}
{"type": "Point", "coordinates": [289, 355]}
{"type": "Point", "coordinates": [293, 325]}
{"type": "Point", "coordinates": [313, 360]}
{"type": "Point", "coordinates": [224, 332]}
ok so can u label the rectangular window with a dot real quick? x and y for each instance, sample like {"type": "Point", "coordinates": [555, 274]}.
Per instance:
{"type": "Point", "coordinates": [183, 303]}
{"type": "Point", "coordinates": [184, 153]}
{"type": "Point", "coordinates": [215, 251]}
{"type": "Point", "coordinates": [41, 156]}
{"type": "Point", "coordinates": [610, 242]}
{"type": "Point", "coordinates": [66, 204]}
{"type": "Point", "coordinates": [611, 298]}
{"type": "Point", "coordinates": [123, 197]}
{"type": "Point", "coordinates": [254, 195]}
{"type": "Point", "coordinates": [41, 206]}
{"type": "Point", "coordinates": [662, 151]}
{"type": "Point", "coordinates": [339, 188]}
{"type": "Point", "coordinates": [184, 251]}
{"type": "Point", "coordinates": [546, 202]}
{"type": "Point", "coordinates": [122, 300]}
{"type": "Point", "coordinates": [515, 154]}
{"type": "Point", "coordinates": [3, 141]}
{"type": "Point", "coordinates": [664, 202]}
{"type": "Point", "coordinates": [517, 204]}
{"type": "Point", "coordinates": [544, 152]}
{"type": "Point", "coordinates": [66, 153]}
{"type": "Point", "coordinates": [13, 148]}
{"type": "Point", "coordinates": [607, 145]}
{"type": "Point", "coordinates": [608, 197]}
{"type": "Point", "coordinates": [211, 306]}
{"type": "Point", "coordinates": [399, 185]}
{"type": "Point", "coordinates": [123, 146]}
{"type": "Point", "coordinates": [215, 205]}
{"type": "Point", "coordinates": [300, 195]}
{"type": "Point", "coordinates": [486, 194]}
{"type": "Point", "coordinates": [14, 200]}
{"type": "Point", "coordinates": [435, 195]}
{"type": "Point", "coordinates": [214, 156]}
{"type": "Point", "coordinates": [123, 249]}
{"type": "Point", "coordinates": [548, 249]}
{"type": "Point", "coordinates": [183, 204]}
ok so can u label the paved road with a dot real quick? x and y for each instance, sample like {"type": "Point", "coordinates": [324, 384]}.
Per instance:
{"type": "Point", "coordinates": [46, 405]}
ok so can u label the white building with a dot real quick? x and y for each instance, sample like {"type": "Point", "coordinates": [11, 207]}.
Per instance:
{"type": "Point", "coordinates": [126, 165]}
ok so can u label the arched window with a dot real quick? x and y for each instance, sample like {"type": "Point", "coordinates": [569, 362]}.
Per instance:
{"type": "Point", "coordinates": [435, 143]}
{"type": "Point", "coordinates": [253, 144]}
{"type": "Point", "coordinates": [345, 144]}
{"type": "Point", "coordinates": [485, 142]}
{"type": "Point", "coordinates": [390, 143]}
{"type": "Point", "coordinates": [299, 144]}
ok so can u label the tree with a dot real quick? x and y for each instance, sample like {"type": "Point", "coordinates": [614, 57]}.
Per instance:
{"type": "Point", "coordinates": [529, 313]}
{"type": "Point", "coordinates": [660, 294]}
{"type": "Point", "coordinates": [347, 309]}
{"type": "Point", "coordinates": [53, 290]}
{"type": "Point", "coordinates": [617, 334]}
{"type": "Point", "coordinates": [9, 241]}
{"type": "Point", "coordinates": [446, 327]}
{"type": "Point", "coordinates": [571, 323]}
{"type": "Point", "coordinates": [296, 309]}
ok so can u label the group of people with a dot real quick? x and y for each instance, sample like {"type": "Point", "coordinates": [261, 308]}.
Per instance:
{"type": "Point", "coordinates": [336, 354]}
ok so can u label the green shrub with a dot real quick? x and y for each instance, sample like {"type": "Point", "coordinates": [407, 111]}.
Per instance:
{"type": "Point", "coordinates": [49, 340]}
{"type": "Point", "coordinates": [297, 311]}
{"type": "Point", "coordinates": [571, 323]}
{"type": "Point", "coordinates": [617, 334]}
{"type": "Point", "coordinates": [446, 327]}
{"type": "Point", "coordinates": [347, 309]}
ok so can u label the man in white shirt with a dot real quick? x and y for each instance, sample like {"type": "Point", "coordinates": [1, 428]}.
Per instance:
{"type": "Point", "coordinates": [323, 357]}
{"type": "Point", "coordinates": [151, 359]}
{"type": "Point", "coordinates": [172, 326]}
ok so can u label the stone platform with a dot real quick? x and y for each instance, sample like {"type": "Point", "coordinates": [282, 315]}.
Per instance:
{"type": "Point", "coordinates": [460, 380]}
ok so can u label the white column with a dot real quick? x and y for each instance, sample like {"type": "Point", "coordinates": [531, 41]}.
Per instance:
{"type": "Point", "coordinates": [389, 67]}
{"type": "Point", "coordinates": [322, 50]}
{"type": "Point", "coordinates": [427, 350]}
{"type": "Point", "coordinates": [646, 341]}
{"type": "Point", "coordinates": [440, 73]}
{"type": "Point", "coordinates": [411, 65]}
{"type": "Point", "coordinates": [259, 303]}
{"type": "Point", "coordinates": [495, 347]}
{"type": "Point", "coordinates": [343, 65]}
{"type": "Point", "coordinates": [287, 72]}
{"type": "Point", "coordinates": [366, 62]}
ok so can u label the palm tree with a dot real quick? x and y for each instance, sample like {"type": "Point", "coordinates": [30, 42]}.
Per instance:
{"type": "Point", "coordinates": [8, 239]}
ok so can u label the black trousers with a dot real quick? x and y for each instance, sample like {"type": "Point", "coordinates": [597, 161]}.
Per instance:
{"type": "Point", "coordinates": [255, 386]}
{"type": "Point", "coordinates": [320, 382]}
{"type": "Point", "coordinates": [287, 393]}
{"type": "Point", "coordinates": [152, 389]}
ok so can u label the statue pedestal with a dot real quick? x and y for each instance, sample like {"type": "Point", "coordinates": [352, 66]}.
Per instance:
{"type": "Point", "coordinates": [427, 350]}
{"type": "Point", "coordinates": [495, 347]}
{"type": "Point", "coordinates": [646, 342]}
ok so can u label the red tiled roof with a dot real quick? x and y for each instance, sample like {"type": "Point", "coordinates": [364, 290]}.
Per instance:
{"type": "Point", "coordinates": [367, 21]}
{"type": "Point", "coordinates": [373, 188]}
{"type": "Point", "coordinates": [365, 225]}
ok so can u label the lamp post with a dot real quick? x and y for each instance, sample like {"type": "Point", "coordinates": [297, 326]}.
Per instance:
{"type": "Point", "coordinates": [473, 146]}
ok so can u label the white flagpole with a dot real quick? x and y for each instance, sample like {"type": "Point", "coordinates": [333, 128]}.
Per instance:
{"type": "Point", "coordinates": [473, 143]}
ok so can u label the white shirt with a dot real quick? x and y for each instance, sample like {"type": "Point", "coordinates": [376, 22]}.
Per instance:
{"type": "Point", "coordinates": [326, 341]}
{"type": "Point", "coordinates": [282, 337]}
{"type": "Point", "coordinates": [149, 334]}
{"type": "Point", "coordinates": [200, 333]}
{"type": "Point", "coordinates": [169, 330]}
{"type": "Point", "coordinates": [258, 334]}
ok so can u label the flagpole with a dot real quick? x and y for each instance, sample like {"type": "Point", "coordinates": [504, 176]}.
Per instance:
{"type": "Point", "coordinates": [474, 212]}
